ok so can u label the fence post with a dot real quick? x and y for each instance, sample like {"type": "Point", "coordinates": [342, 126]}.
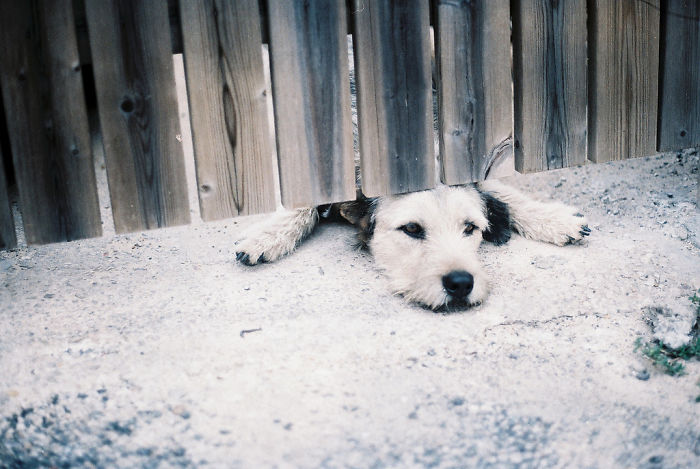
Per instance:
{"type": "Point", "coordinates": [137, 101]}
{"type": "Point", "coordinates": [394, 95]}
{"type": "Point", "coordinates": [623, 78]}
{"type": "Point", "coordinates": [679, 125]}
{"type": "Point", "coordinates": [47, 121]}
{"type": "Point", "coordinates": [8, 240]}
{"type": "Point", "coordinates": [227, 97]}
{"type": "Point", "coordinates": [475, 96]}
{"type": "Point", "coordinates": [311, 91]}
{"type": "Point", "coordinates": [550, 84]}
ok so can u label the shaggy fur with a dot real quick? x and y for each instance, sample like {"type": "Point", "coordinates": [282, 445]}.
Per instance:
{"type": "Point", "coordinates": [426, 242]}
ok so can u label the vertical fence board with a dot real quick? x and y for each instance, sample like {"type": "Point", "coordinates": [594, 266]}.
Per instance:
{"type": "Point", "coordinates": [309, 67]}
{"type": "Point", "coordinates": [47, 121]}
{"type": "Point", "coordinates": [131, 53]}
{"type": "Point", "coordinates": [679, 125]}
{"type": "Point", "coordinates": [475, 94]}
{"type": "Point", "coordinates": [394, 95]}
{"type": "Point", "coordinates": [226, 88]}
{"type": "Point", "coordinates": [8, 240]}
{"type": "Point", "coordinates": [550, 84]}
{"type": "Point", "coordinates": [623, 78]}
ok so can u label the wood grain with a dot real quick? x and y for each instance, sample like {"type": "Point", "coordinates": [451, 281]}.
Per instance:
{"type": "Point", "coordinates": [226, 92]}
{"type": "Point", "coordinates": [8, 239]}
{"type": "Point", "coordinates": [47, 121]}
{"type": "Point", "coordinates": [137, 100]}
{"type": "Point", "coordinates": [394, 95]}
{"type": "Point", "coordinates": [623, 78]}
{"type": "Point", "coordinates": [311, 91]}
{"type": "Point", "coordinates": [679, 125]}
{"type": "Point", "coordinates": [550, 84]}
{"type": "Point", "coordinates": [475, 92]}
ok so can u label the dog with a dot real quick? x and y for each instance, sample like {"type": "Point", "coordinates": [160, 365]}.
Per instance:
{"type": "Point", "coordinates": [426, 242]}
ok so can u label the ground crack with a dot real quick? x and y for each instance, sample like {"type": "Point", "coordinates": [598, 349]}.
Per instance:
{"type": "Point", "coordinates": [536, 323]}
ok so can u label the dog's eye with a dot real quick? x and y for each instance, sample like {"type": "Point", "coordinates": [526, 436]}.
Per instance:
{"type": "Point", "coordinates": [414, 230]}
{"type": "Point", "coordinates": [469, 228]}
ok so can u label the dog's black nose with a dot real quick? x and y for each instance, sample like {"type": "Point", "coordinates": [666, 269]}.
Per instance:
{"type": "Point", "coordinates": [458, 283]}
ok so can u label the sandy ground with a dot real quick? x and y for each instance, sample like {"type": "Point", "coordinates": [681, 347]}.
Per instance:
{"type": "Point", "coordinates": [158, 350]}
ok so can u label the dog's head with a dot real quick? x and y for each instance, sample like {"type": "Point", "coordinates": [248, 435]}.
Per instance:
{"type": "Point", "coordinates": [427, 243]}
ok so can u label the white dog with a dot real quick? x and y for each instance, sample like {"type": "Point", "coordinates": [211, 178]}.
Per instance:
{"type": "Point", "coordinates": [426, 242]}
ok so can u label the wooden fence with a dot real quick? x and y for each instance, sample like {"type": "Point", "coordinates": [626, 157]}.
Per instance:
{"type": "Point", "coordinates": [571, 81]}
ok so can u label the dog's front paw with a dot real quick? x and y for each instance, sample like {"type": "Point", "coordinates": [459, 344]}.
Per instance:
{"type": "Point", "coordinates": [276, 237]}
{"type": "Point", "coordinates": [569, 227]}
{"type": "Point", "coordinates": [252, 251]}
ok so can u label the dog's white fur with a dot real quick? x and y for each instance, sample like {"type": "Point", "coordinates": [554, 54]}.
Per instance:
{"type": "Point", "coordinates": [278, 235]}
{"type": "Point", "coordinates": [550, 222]}
{"type": "Point", "coordinates": [415, 268]}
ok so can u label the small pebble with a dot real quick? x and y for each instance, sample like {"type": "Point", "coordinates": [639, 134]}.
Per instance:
{"type": "Point", "coordinates": [181, 411]}
{"type": "Point", "coordinates": [457, 401]}
{"type": "Point", "coordinates": [643, 375]}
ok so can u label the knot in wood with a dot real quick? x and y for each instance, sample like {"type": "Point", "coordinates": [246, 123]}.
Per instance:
{"type": "Point", "coordinates": [127, 105]}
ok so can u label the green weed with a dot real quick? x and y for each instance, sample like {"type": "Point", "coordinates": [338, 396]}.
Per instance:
{"type": "Point", "coordinates": [667, 358]}
{"type": "Point", "coordinates": [670, 359]}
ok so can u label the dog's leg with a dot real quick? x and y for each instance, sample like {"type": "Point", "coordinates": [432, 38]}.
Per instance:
{"type": "Point", "coordinates": [277, 236]}
{"type": "Point", "coordinates": [551, 222]}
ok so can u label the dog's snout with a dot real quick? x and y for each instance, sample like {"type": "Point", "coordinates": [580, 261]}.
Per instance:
{"type": "Point", "coordinates": [458, 283]}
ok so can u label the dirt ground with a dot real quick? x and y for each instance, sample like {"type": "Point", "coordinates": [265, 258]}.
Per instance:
{"type": "Point", "coordinates": [158, 350]}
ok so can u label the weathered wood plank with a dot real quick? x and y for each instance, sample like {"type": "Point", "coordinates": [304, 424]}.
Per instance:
{"type": "Point", "coordinates": [309, 68]}
{"type": "Point", "coordinates": [47, 121]}
{"type": "Point", "coordinates": [679, 125]}
{"type": "Point", "coordinates": [175, 27]}
{"type": "Point", "coordinates": [8, 239]}
{"type": "Point", "coordinates": [623, 78]}
{"type": "Point", "coordinates": [550, 84]}
{"type": "Point", "coordinates": [132, 60]}
{"type": "Point", "coordinates": [475, 93]}
{"type": "Point", "coordinates": [394, 95]}
{"type": "Point", "coordinates": [226, 88]}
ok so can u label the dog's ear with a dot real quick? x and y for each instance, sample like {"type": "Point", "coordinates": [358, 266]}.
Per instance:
{"type": "Point", "coordinates": [359, 213]}
{"type": "Point", "coordinates": [498, 215]}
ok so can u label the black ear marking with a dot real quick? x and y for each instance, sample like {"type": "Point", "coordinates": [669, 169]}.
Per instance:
{"type": "Point", "coordinates": [498, 216]}
{"type": "Point", "coordinates": [360, 213]}
{"type": "Point", "coordinates": [366, 232]}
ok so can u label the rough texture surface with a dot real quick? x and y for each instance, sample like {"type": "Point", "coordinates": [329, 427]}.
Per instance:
{"type": "Point", "coordinates": [158, 350]}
